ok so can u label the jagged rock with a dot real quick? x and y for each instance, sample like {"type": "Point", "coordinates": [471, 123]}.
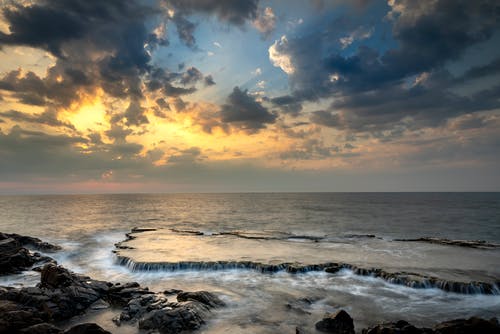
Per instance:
{"type": "Point", "coordinates": [204, 297]}
{"type": "Point", "coordinates": [339, 323]}
{"type": "Point", "coordinates": [55, 277]}
{"type": "Point", "coordinates": [155, 312]}
{"type": "Point", "coordinates": [87, 328]}
{"type": "Point", "coordinates": [470, 326]}
{"type": "Point", "coordinates": [31, 242]}
{"type": "Point", "coordinates": [14, 320]}
{"type": "Point", "coordinates": [121, 294]}
{"type": "Point", "coordinates": [170, 320]}
{"type": "Point", "coordinates": [14, 258]}
{"type": "Point", "coordinates": [42, 328]}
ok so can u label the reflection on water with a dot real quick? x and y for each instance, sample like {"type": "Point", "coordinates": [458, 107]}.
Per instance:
{"type": "Point", "coordinates": [88, 227]}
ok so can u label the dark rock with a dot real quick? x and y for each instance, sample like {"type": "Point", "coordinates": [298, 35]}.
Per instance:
{"type": "Point", "coordinates": [14, 258]}
{"type": "Point", "coordinates": [14, 320]}
{"type": "Point", "coordinates": [470, 326]}
{"type": "Point", "coordinates": [204, 297]}
{"type": "Point", "coordinates": [339, 323]}
{"type": "Point", "coordinates": [155, 312]}
{"type": "Point", "coordinates": [334, 268]}
{"type": "Point", "coordinates": [143, 229]}
{"type": "Point", "coordinates": [460, 243]}
{"type": "Point", "coordinates": [55, 277]}
{"type": "Point", "coordinates": [121, 294]}
{"type": "Point", "coordinates": [170, 320]}
{"type": "Point", "coordinates": [87, 328]}
{"type": "Point", "coordinates": [43, 328]}
{"type": "Point", "coordinates": [172, 291]}
{"type": "Point", "coordinates": [31, 242]}
{"type": "Point", "coordinates": [400, 327]}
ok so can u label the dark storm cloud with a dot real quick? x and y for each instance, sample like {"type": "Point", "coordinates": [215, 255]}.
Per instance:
{"type": "Point", "coordinates": [477, 72]}
{"type": "Point", "coordinates": [407, 85]}
{"type": "Point", "coordinates": [288, 104]}
{"type": "Point", "coordinates": [104, 44]}
{"type": "Point", "coordinates": [244, 112]}
{"type": "Point", "coordinates": [397, 108]}
{"type": "Point", "coordinates": [233, 12]}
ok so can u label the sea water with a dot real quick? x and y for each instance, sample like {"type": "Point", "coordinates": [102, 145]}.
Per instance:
{"type": "Point", "coordinates": [361, 229]}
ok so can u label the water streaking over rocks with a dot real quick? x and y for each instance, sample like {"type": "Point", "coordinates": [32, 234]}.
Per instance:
{"type": "Point", "coordinates": [332, 252]}
{"type": "Point", "coordinates": [150, 249]}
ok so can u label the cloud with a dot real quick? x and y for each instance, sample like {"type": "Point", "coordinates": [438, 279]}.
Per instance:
{"type": "Point", "coordinates": [404, 87]}
{"type": "Point", "coordinates": [97, 46]}
{"type": "Point", "coordinates": [310, 149]}
{"type": "Point", "coordinates": [233, 12]}
{"type": "Point", "coordinates": [359, 34]}
{"type": "Point", "coordinates": [186, 157]}
{"type": "Point", "coordinates": [209, 80]}
{"type": "Point", "coordinates": [135, 114]}
{"type": "Point", "coordinates": [288, 104]}
{"type": "Point", "coordinates": [48, 117]}
{"type": "Point", "coordinates": [191, 76]}
{"type": "Point", "coordinates": [185, 30]}
{"type": "Point", "coordinates": [265, 22]}
{"type": "Point", "coordinates": [326, 118]}
{"type": "Point", "coordinates": [257, 71]}
{"type": "Point", "coordinates": [279, 57]}
{"type": "Point", "coordinates": [242, 111]}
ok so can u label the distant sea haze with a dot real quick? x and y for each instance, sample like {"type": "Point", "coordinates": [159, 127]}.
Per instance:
{"type": "Point", "coordinates": [258, 250]}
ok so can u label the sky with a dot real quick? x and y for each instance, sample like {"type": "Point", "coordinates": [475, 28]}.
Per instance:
{"type": "Point", "coordinates": [110, 96]}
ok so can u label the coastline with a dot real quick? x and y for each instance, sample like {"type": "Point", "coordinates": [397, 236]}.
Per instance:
{"type": "Point", "coordinates": [63, 295]}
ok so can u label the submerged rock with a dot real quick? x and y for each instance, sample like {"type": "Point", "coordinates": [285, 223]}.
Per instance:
{"type": "Point", "coordinates": [338, 323]}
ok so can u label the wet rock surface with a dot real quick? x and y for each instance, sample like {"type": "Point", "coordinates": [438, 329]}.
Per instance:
{"type": "Point", "coordinates": [15, 257]}
{"type": "Point", "coordinates": [482, 244]}
{"type": "Point", "coordinates": [472, 325]}
{"type": "Point", "coordinates": [156, 312]}
{"type": "Point", "coordinates": [338, 323]}
{"type": "Point", "coordinates": [62, 294]}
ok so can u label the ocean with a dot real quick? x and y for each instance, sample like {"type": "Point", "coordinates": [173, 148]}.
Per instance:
{"type": "Point", "coordinates": [242, 247]}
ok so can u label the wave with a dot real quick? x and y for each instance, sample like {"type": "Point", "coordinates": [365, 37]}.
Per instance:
{"type": "Point", "coordinates": [413, 280]}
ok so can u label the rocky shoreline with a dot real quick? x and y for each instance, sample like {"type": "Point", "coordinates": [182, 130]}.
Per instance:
{"type": "Point", "coordinates": [62, 295]}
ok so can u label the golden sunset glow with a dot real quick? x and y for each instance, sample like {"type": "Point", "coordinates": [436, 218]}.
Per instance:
{"type": "Point", "coordinates": [154, 96]}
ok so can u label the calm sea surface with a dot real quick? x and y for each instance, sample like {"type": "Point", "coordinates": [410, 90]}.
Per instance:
{"type": "Point", "coordinates": [88, 226]}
